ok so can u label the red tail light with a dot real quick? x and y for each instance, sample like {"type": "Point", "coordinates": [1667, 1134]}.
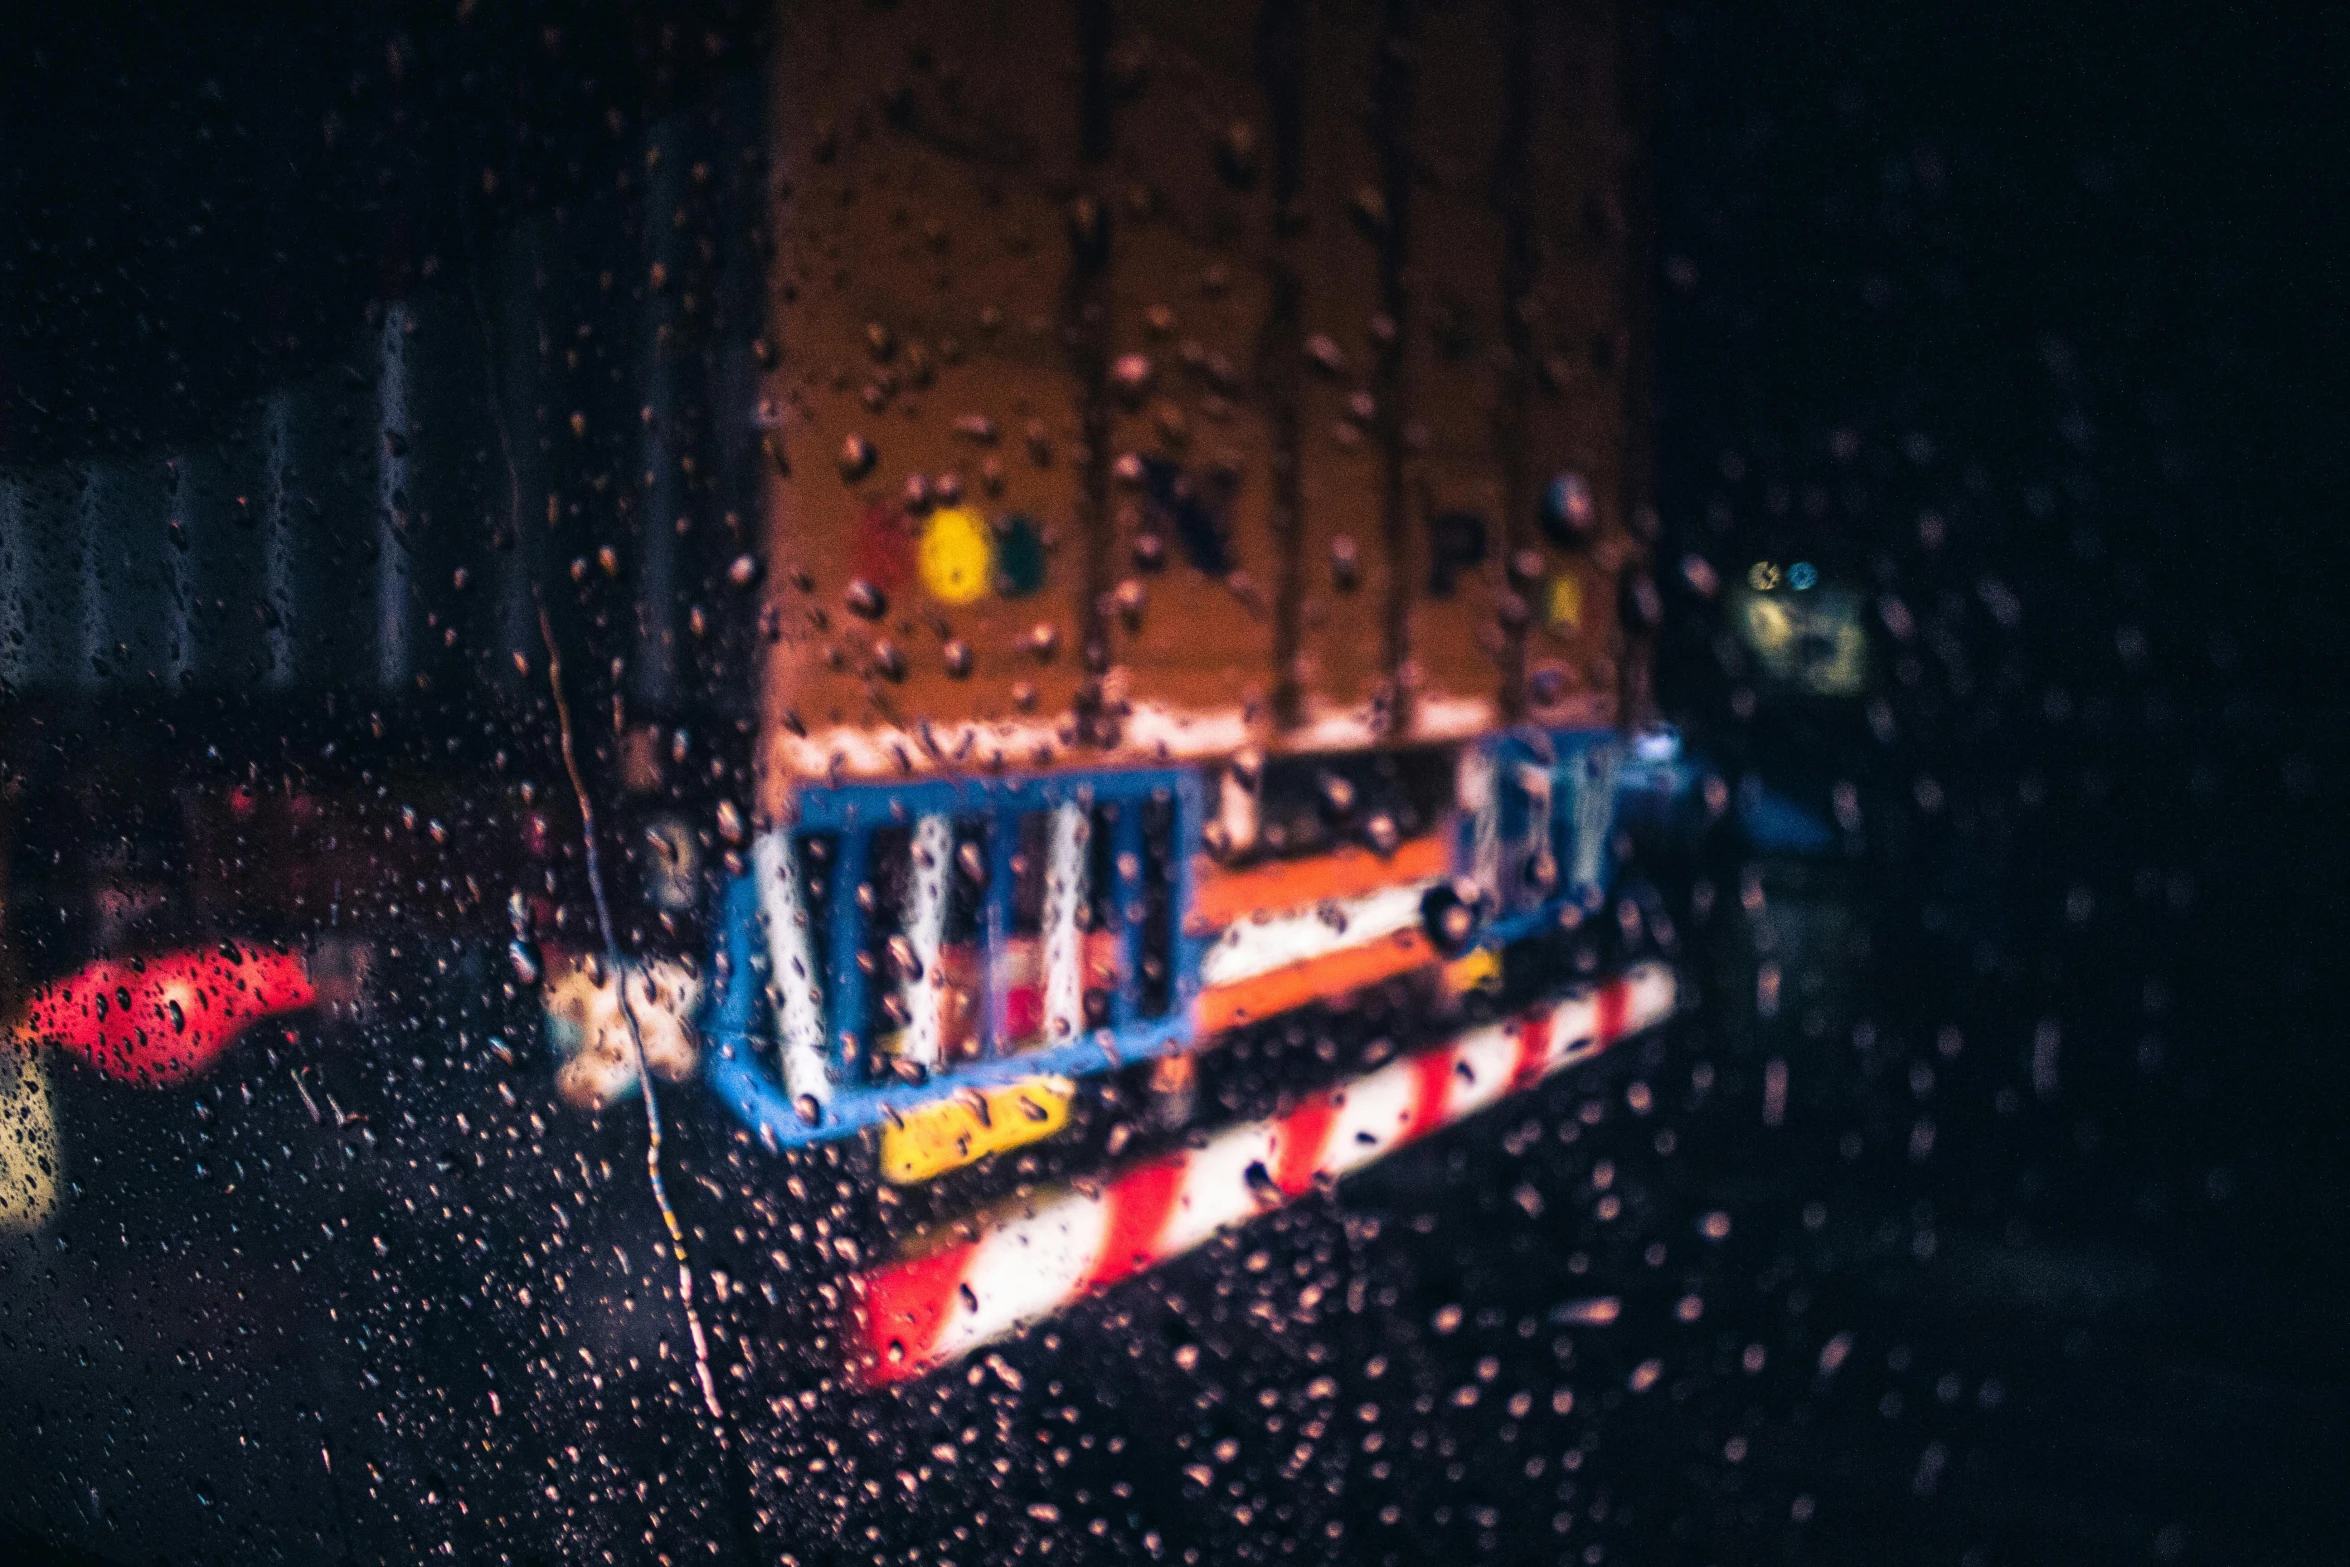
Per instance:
{"type": "Point", "coordinates": [165, 1019]}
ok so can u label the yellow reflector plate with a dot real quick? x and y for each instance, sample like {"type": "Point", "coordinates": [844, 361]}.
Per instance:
{"type": "Point", "coordinates": [1566, 603]}
{"type": "Point", "coordinates": [1478, 970]}
{"type": "Point", "coordinates": [947, 1134]}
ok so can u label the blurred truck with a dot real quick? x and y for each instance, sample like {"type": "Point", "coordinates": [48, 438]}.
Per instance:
{"type": "Point", "coordinates": [1099, 556]}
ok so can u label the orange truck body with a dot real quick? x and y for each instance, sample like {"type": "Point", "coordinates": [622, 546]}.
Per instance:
{"type": "Point", "coordinates": [975, 296]}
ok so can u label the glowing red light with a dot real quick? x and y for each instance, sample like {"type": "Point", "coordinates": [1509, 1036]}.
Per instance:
{"type": "Point", "coordinates": [169, 1018]}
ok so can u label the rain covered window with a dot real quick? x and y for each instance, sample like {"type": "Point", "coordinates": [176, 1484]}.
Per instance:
{"type": "Point", "coordinates": [1345, 780]}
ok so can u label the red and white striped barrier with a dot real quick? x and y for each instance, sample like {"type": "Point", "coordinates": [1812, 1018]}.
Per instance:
{"type": "Point", "coordinates": [931, 1309]}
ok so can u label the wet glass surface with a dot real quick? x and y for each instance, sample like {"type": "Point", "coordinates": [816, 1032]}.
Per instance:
{"type": "Point", "coordinates": [411, 672]}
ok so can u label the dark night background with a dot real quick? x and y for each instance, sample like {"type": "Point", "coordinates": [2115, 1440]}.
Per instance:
{"type": "Point", "coordinates": [2066, 278]}
{"type": "Point", "coordinates": [2071, 275]}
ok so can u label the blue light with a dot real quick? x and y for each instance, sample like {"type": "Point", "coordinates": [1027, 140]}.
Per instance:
{"type": "Point", "coordinates": [1802, 574]}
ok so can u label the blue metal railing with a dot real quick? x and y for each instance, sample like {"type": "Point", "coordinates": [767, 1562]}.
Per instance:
{"type": "Point", "coordinates": [738, 1028]}
{"type": "Point", "coordinates": [1571, 818]}
{"type": "Point", "coordinates": [1569, 814]}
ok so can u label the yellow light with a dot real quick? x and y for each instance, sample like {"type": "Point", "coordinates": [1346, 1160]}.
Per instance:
{"type": "Point", "coordinates": [1770, 629]}
{"type": "Point", "coordinates": [1566, 603]}
{"type": "Point", "coordinates": [956, 556]}
{"type": "Point", "coordinates": [29, 1150]}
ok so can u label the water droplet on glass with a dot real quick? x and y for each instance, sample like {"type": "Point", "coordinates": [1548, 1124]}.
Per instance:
{"type": "Point", "coordinates": [857, 457]}
{"type": "Point", "coordinates": [1130, 599]}
{"type": "Point", "coordinates": [1338, 793]}
{"type": "Point", "coordinates": [1131, 375]}
{"type": "Point", "coordinates": [1346, 563]}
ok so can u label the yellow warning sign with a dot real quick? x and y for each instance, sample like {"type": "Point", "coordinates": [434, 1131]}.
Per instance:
{"type": "Point", "coordinates": [1478, 971]}
{"type": "Point", "coordinates": [946, 1134]}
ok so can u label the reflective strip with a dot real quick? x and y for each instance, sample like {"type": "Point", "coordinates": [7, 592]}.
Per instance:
{"type": "Point", "coordinates": [1474, 792]}
{"type": "Point", "coordinates": [792, 979]}
{"type": "Point", "coordinates": [1259, 946]}
{"type": "Point", "coordinates": [1338, 973]}
{"type": "Point", "coordinates": [1022, 1271]}
{"type": "Point", "coordinates": [1064, 946]}
{"type": "Point", "coordinates": [1372, 1119]}
{"type": "Point", "coordinates": [1483, 1070]}
{"type": "Point", "coordinates": [1595, 804]}
{"type": "Point", "coordinates": [1151, 735]}
{"type": "Point", "coordinates": [1535, 783]}
{"type": "Point", "coordinates": [926, 923]}
{"type": "Point", "coordinates": [1237, 811]}
{"type": "Point", "coordinates": [929, 1310]}
{"type": "Point", "coordinates": [902, 1329]}
{"type": "Point", "coordinates": [1217, 1188]}
{"type": "Point", "coordinates": [1223, 896]}
{"type": "Point", "coordinates": [1139, 1204]}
